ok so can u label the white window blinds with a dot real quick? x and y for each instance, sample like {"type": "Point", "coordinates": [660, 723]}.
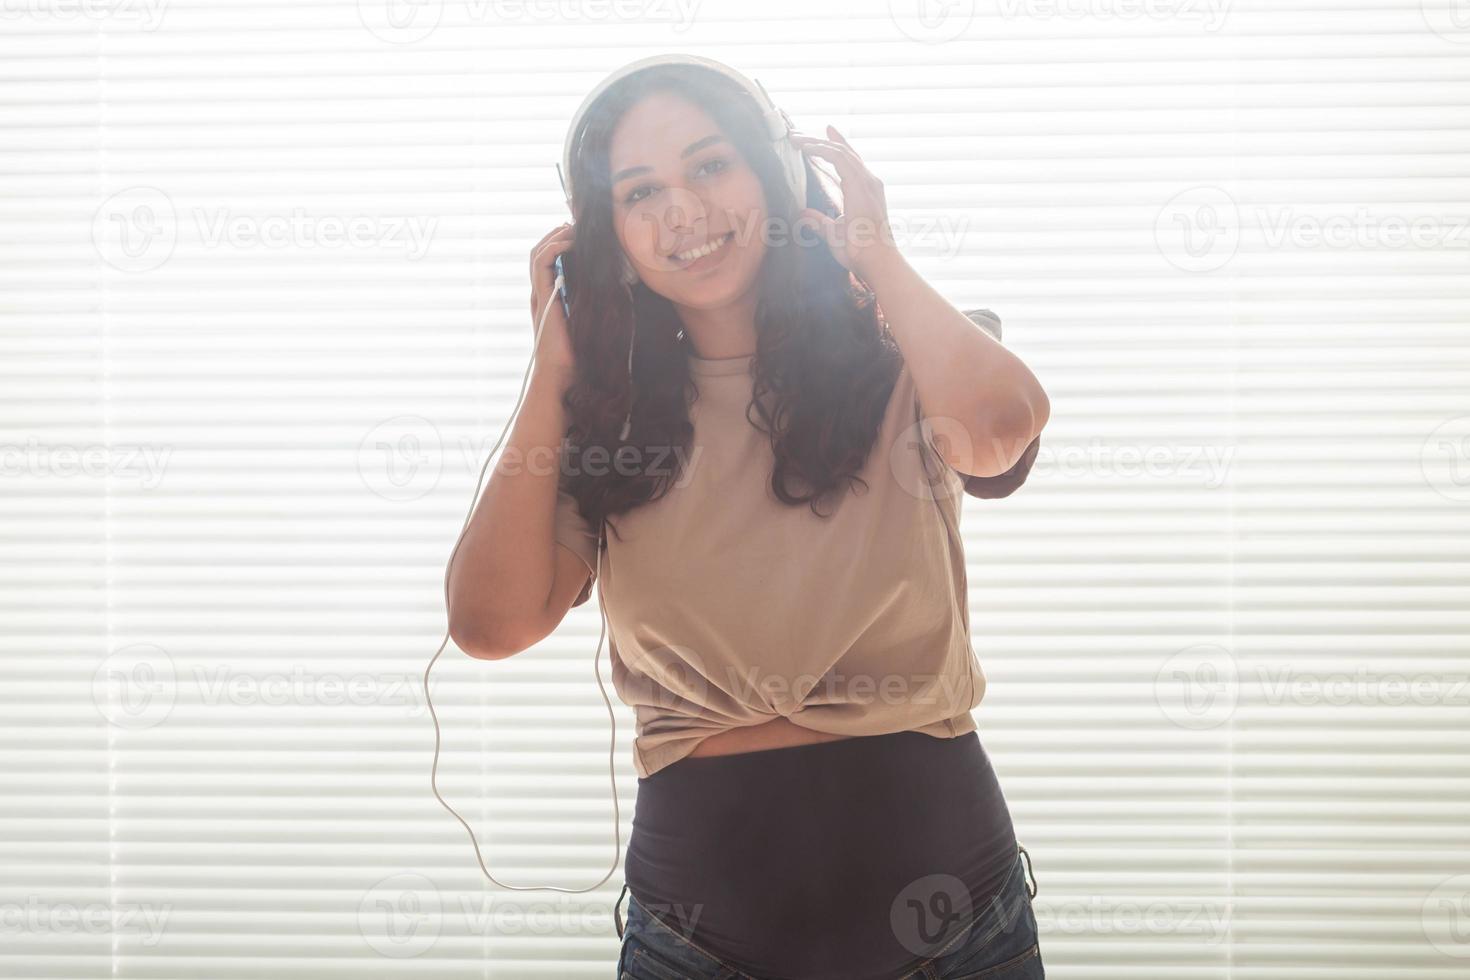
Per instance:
{"type": "Point", "coordinates": [264, 310]}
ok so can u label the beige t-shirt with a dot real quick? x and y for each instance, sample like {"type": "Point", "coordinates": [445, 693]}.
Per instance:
{"type": "Point", "coordinates": [727, 607]}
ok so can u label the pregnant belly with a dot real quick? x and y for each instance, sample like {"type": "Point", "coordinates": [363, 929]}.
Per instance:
{"type": "Point", "coordinates": [791, 863]}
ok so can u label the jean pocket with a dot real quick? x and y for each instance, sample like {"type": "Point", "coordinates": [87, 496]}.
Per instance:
{"type": "Point", "coordinates": [653, 950]}
{"type": "Point", "coordinates": [1002, 943]}
{"type": "Point", "coordinates": [1025, 965]}
{"type": "Point", "coordinates": [642, 962]}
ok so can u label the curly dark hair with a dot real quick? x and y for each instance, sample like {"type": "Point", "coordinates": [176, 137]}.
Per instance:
{"type": "Point", "coordinates": [825, 364]}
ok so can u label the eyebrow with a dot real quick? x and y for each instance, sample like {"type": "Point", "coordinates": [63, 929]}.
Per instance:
{"type": "Point", "coordinates": [694, 147]}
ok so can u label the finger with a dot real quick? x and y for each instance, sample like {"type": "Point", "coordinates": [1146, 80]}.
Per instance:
{"type": "Point", "coordinates": [834, 134]}
{"type": "Point", "coordinates": [556, 235]}
{"type": "Point", "coordinates": [848, 166]}
{"type": "Point", "coordinates": [831, 146]}
{"type": "Point", "coordinates": [558, 231]}
{"type": "Point", "coordinates": [538, 249]}
{"type": "Point", "coordinates": [547, 250]}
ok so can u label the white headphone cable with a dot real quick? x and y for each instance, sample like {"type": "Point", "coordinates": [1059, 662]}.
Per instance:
{"type": "Point", "coordinates": [596, 660]}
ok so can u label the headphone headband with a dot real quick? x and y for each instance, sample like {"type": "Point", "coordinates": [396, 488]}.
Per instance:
{"type": "Point", "coordinates": [778, 123]}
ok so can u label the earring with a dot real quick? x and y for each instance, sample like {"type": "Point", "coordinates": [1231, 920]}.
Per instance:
{"type": "Point", "coordinates": [629, 275]}
{"type": "Point", "coordinates": [632, 333]}
{"type": "Point", "coordinates": [628, 419]}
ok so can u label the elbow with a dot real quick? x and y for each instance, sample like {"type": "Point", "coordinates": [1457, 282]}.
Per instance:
{"type": "Point", "coordinates": [1008, 435]}
{"type": "Point", "coordinates": [1040, 411]}
{"type": "Point", "coordinates": [477, 640]}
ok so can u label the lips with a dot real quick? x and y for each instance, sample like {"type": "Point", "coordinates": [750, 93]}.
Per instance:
{"type": "Point", "coordinates": [690, 256]}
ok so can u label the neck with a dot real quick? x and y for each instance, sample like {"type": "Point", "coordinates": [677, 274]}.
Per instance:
{"type": "Point", "coordinates": [727, 331]}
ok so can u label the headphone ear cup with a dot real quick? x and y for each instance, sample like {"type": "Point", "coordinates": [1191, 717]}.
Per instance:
{"type": "Point", "coordinates": [793, 161]}
{"type": "Point", "coordinates": [795, 167]}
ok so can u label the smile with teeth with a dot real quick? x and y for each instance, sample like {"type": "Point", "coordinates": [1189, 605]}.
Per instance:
{"type": "Point", "coordinates": [703, 250]}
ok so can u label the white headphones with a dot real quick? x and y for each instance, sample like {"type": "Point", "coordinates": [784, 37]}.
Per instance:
{"type": "Point", "coordinates": [793, 163]}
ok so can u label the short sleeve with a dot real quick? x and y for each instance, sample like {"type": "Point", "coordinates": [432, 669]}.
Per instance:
{"type": "Point", "coordinates": [986, 320]}
{"type": "Point", "coordinates": [1007, 483]}
{"type": "Point", "coordinates": [575, 532]}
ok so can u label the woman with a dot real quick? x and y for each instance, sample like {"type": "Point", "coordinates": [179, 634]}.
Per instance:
{"type": "Point", "coordinates": [775, 483]}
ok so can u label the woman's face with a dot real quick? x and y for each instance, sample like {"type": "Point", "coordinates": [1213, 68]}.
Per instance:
{"type": "Point", "coordinates": [678, 186]}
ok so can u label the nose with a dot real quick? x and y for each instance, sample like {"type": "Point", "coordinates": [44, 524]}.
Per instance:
{"type": "Point", "coordinates": [680, 221]}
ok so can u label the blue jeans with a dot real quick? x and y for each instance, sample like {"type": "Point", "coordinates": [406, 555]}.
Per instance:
{"type": "Point", "coordinates": [1001, 943]}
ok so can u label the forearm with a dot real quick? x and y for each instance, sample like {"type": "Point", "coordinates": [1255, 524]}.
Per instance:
{"type": "Point", "coordinates": [501, 577]}
{"type": "Point", "coordinates": [960, 371]}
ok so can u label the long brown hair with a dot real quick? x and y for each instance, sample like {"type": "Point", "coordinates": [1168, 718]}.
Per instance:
{"type": "Point", "coordinates": [824, 365]}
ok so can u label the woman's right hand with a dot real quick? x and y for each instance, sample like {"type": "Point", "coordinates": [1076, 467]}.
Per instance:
{"type": "Point", "coordinates": [555, 348]}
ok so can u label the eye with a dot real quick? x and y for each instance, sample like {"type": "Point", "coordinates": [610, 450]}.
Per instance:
{"type": "Point", "coordinates": [714, 165]}
{"type": "Point", "coordinates": [634, 196]}
{"type": "Point", "coordinates": [719, 163]}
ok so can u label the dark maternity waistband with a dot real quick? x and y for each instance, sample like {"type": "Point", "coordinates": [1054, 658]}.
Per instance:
{"type": "Point", "coordinates": [790, 862]}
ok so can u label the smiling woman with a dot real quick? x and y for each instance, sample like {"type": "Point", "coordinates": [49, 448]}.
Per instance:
{"type": "Point", "coordinates": [787, 600]}
{"type": "Point", "coordinates": [247, 343]}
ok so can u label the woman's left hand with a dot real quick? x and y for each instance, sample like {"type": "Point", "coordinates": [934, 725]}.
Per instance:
{"type": "Point", "coordinates": [860, 237]}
